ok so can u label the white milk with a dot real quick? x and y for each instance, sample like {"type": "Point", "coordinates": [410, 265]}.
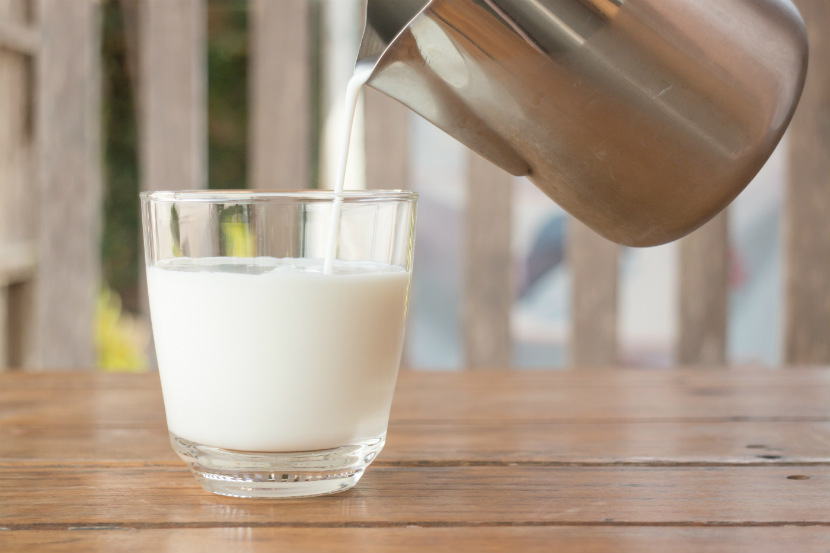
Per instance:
{"type": "Point", "coordinates": [362, 72]}
{"type": "Point", "coordinates": [285, 358]}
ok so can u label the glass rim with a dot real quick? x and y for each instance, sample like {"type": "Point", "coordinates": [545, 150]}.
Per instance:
{"type": "Point", "coordinates": [251, 196]}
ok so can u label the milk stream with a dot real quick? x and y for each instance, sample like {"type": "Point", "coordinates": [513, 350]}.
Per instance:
{"type": "Point", "coordinates": [362, 72]}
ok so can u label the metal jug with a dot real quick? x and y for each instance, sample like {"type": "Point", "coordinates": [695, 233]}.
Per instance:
{"type": "Point", "coordinates": [642, 118]}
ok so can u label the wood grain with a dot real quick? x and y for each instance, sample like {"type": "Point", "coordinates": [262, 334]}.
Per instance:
{"type": "Point", "coordinates": [476, 460]}
{"type": "Point", "coordinates": [807, 204]}
{"type": "Point", "coordinates": [280, 92]}
{"type": "Point", "coordinates": [450, 398]}
{"type": "Point", "coordinates": [594, 265]}
{"type": "Point", "coordinates": [573, 539]}
{"type": "Point", "coordinates": [704, 290]}
{"type": "Point", "coordinates": [41, 443]}
{"type": "Point", "coordinates": [96, 419]}
{"type": "Point", "coordinates": [595, 444]}
{"type": "Point", "coordinates": [643, 396]}
{"type": "Point", "coordinates": [488, 285]}
{"type": "Point", "coordinates": [69, 161]}
{"type": "Point", "coordinates": [61, 497]}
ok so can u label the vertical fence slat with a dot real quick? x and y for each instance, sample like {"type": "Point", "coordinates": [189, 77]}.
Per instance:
{"type": "Point", "coordinates": [7, 139]}
{"type": "Point", "coordinates": [68, 123]}
{"type": "Point", "coordinates": [387, 150]}
{"type": "Point", "coordinates": [172, 100]}
{"type": "Point", "coordinates": [594, 263]}
{"type": "Point", "coordinates": [280, 94]}
{"type": "Point", "coordinates": [807, 213]}
{"type": "Point", "coordinates": [173, 94]}
{"type": "Point", "coordinates": [5, 339]}
{"type": "Point", "coordinates": [387, 141]}
{"type": "Point", "coordinates": [703, 290]}
{"type": "Point", "coordinates": [488, 292]}
{"type": "Point", "coordinates": [19, 42]}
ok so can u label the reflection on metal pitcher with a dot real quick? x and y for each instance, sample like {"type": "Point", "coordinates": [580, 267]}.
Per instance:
{"type": "Point", "coordinates": [643, 118]}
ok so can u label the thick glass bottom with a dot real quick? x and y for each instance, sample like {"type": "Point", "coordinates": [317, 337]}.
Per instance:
{"type": "Point", "coordinates": [274, 475]}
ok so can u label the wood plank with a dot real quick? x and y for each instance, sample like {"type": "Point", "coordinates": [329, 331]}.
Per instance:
{"type": "Point", "coordinates": [567, 539]}
{"type": "Point", "coordinates": [488, 284]}
{"type": "Point", "coordinates": [21, 39]}
{"type": "Point", "coordinates": [387, 148]}
{"type": "Point", "coordinates": [280, 92]}
{"type": "Point", "coordinates": [16, 144]}
{"type": "Point", "coordinates": [807, 203]}
{"type": "Point", "coordinates": [704, 294]}
{"type": "Point", "coordinates": [173, 94]}
{"type": "Point", "coordinates": [598, 444]}
{"type": "Point", "coordinates": [68, 127]}
{"type": "Point", "coordinates": [18, 198]}
{"type": "Point", "coordinates": [493, 397]}
{"type": "Point", "coordinates": [387, 141]}
{"type": "Point", "coordinates": [456, 478]}
{"type": "Point", "coordinates": [33, 442]}
{"type": "Point", "coordinates": [448, 419]}
{"type": "Point", "coordinates": [172, 98]}
{"type": "Point", "coordinates": [594, 264]}
{"type": "Point", "coordinates": [639, 396]}
{"type": "Point", "coordinates": [60, 497]}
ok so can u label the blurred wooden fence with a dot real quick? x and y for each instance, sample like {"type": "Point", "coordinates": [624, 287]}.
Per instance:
{"type": "Point", "coordinates": [50, 181]}
{"type": "Point", "coordinates": [50, 184]}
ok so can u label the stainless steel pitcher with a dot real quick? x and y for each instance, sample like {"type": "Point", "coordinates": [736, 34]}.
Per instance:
{"type": "Point", "coordinates": [642, 118]}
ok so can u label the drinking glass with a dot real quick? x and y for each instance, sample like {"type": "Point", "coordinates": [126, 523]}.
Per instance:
{"type": "Point", "coordinates": [278, 320]}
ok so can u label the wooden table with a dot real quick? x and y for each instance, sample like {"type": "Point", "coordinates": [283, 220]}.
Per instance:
{"type": "Point", "coordinates": [626, 460]}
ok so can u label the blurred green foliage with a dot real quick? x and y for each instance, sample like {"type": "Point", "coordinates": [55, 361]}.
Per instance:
{"type": "Point", "coordinates": [227, 59]}
{"type": "Point", "coordinates": [120, 247]}
{"type": "Point", "coordinates": [121, 339]}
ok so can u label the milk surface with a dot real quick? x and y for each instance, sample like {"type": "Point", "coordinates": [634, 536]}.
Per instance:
{"type": "Point", "coordinates": [266, 354]}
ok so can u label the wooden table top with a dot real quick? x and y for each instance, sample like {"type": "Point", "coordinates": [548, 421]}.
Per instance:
{"type": "Point", "coordinates": [626, 460]}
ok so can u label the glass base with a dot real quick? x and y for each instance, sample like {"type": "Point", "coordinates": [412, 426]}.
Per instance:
{"type": "Point", "coordinates": [271, 475]}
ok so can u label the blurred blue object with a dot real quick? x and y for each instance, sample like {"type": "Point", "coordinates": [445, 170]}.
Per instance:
{"type": "Point", "coordinates": [546, 254]}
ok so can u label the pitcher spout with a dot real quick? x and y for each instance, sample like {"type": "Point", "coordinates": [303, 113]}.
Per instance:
{"type": "Point", "coordinates": [384, 21]}
{"type": "Point", "coordinates": [412, 58]}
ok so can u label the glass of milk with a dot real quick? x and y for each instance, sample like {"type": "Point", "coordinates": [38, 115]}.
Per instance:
{"type": "Point", "coordinates": [278, 320]}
